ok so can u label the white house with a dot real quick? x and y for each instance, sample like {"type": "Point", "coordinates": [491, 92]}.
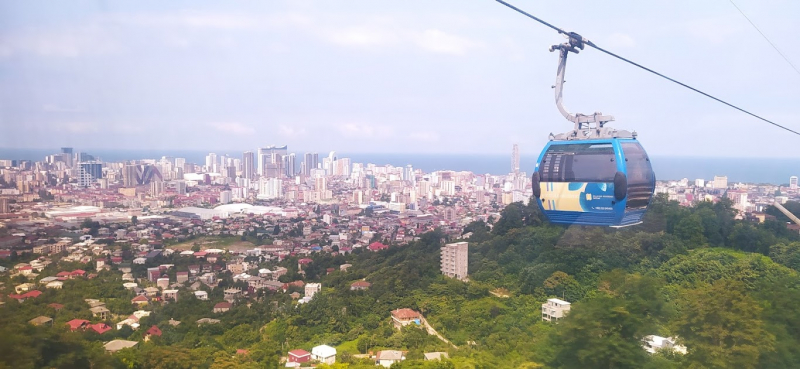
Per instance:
{"type": "Point", "coordinates": [386, 358]}
{"type": "Point", "coordinates": [312, 289]}
{"type": "Point", "coordinates": [655, 343]}
{"type": "Point", "coordinates": [201, 295]}
{"type": "Point", "coordinates": [554, 309]}
{"type": "Point", "coordinates": [324, 354]}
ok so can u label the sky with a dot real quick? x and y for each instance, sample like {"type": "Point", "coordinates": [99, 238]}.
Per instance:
{"type": "Point", "coordinates": [360, 76]}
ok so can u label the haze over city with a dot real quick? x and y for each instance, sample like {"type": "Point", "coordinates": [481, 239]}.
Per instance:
{"type": "Point", "coordinates": [411, 77]}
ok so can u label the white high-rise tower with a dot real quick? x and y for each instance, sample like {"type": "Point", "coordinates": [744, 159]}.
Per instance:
{"type": "Point", "coordinates": [515, 159]}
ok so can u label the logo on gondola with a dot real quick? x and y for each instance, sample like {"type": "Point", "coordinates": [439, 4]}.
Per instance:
{"type": "Point", "coordinates": [588, 197]}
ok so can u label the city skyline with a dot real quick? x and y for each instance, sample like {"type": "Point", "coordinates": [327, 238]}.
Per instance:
{"type": "Point", "coordinates": [391, 81]}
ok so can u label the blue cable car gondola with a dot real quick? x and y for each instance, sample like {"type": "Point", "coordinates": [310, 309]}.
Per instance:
{"type": "Point", "coordinates": [592, 175]}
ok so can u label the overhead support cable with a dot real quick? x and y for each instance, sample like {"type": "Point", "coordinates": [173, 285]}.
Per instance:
{"type": "Point", "coordinates": [580, 39]}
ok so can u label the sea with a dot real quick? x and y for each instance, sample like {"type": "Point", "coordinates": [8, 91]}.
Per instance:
{"type": "Point", "coordinates": [748, 170]}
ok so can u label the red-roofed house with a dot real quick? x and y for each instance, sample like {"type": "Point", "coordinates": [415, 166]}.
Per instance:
{"type": "Point", "coordinates": [77, 273]}
{"type": "Point", "coordinates": [404, 317]}
{"type": "Point", "coordinates": [55, 306]}
{"type": "Point", "coordinates": [26, 295]}
{"type": "Point", "coordinates": [139, 300]}
{"type": "Point", "coordinates": [63, 274]}
{"type": "Point", "coordinates": [222, 307]}
{"type": "Point", "coordinates": [76, 324]}
{"type": "Point", "coordinates": [153, 331]}
{"type": "Point", "coordinates": [377, 246]}
{"type": "Point", "coordinates": [100, 328]}
{"type": "Point", "coordinates": [299, 356]}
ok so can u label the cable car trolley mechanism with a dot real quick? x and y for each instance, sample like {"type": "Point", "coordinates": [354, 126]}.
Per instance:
{"type": "Point", "coordinates": [593, 174]}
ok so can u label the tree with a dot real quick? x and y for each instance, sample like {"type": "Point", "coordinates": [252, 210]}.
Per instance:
{"type": "Point", "coordinates": [690, 229]}
{"type": "Point", "coordinates": [606, 331]}
{"type": "Point", "coordinates": [598, 333]}
{"type": "Point", "coordinates": [562, 285]}
{"type": "Point", "coordinates": [510, 218]}
{"type": "Point", "coordinates": [277, 230]}
{"type": "Point", "coordinates": [134, 220]}
{"type": "Point", "coordinates": [721, 327]}
{"type": "Point", "coordinates": [786, 254]}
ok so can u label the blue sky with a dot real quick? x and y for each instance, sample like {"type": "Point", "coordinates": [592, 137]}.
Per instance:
{"type": "Point", "coordinates": [393, 77]}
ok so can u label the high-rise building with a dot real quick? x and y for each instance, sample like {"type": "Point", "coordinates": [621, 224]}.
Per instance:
{"type": "Point", "coordinates": [211, 162]}
{"type": "Point", "coordinates": [4, 208]}
{"type": "Point", "coordinates": [720, 182]}
{"type": "Point", "coordinates": [515, 159]}
{"type": "Point", "coordinates": [270, 188]}
{"type": "Point", "coordinates": [180, 163]}
{"type": "Point", "coordinates": [129, 175]}
{"type": "Point", "coordinates": [408, 174]}
{"type": "Point", "coordinates": [156, 188]}
{"type": "Point", "coordinates": [248, 164]}
{"type": "Point", "coordinates": [225, 197]}
{"type": "Point", "coordinates": [67, 155]}
{"type": "Point", "coordinates": [700, 183]}
{"type": "Point", "coordinates": [311, 161]}
{"type": "Point", "coordinates": [455, 258]}
{"type": "Point", "coordinates": [263, 158]}
{"type": "Point", "coordinates": [321, 184]}
{"type": "Point", "coordinates": [82, 156]}
{"type": "Point", "coordinates": [180, 187]}
{"type": "Point", "coordinates": [289, 165]}
{"type": "Point", "coordinates": [89, 173]}
{"type": "Point", "coordinates": [793, 182]}
{"type": "Point", "coordinates": [341, 167]}
{"type": "Point", "coordinates": [271, 154]}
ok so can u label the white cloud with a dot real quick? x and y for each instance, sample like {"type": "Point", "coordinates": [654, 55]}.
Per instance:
{"type": "Point", "coordinates": [620, 40]}
{"type": "Point", "coordinates": [360, 36]}
{"type": "Point", "coordinates": [354, 130]}
{"type": "Point", "coordinates": [440, 42]}
{"type": "Point", "coordinates": [220, 21]}
{"type": "Point", "coordinates": [66, 43]}
{"type": "Point", "coordinates": [232, 128]}
{"type": "Point", "coordinates": [287, 131]}
{"type": "Point", "coordinates": [76, 127]}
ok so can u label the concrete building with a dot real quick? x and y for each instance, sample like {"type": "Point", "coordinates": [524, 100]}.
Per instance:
{"type": "Point", "coordinates": [515, 159]}
{"type": "Point", "coordinates": [312, 289]}
{"type": "Point", "coordinates": [225, 197]}
{"type": "Point", "coordinates": [720, 182]}
{"type": "Point", "coordinates": [554, 309]}
{"type": "Point", "coordinates": [248, 165]}
{"type": "Point", "coordinates": [89, 173]}
{"type": "Point", "coordinates": [129, 176]}
{"type": "Point", "coordinates": [310, 161]}
{"type": "Point", "coordinates": [324, 354]}
{"type": "Point", "coordinates": [455, 259]}
{"type": "Point", "coordinates": [386, 358]}
{"type": "Point", "coordinates": [270, 188]}
{"type": "Point", "coordinates": [793, 182]}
